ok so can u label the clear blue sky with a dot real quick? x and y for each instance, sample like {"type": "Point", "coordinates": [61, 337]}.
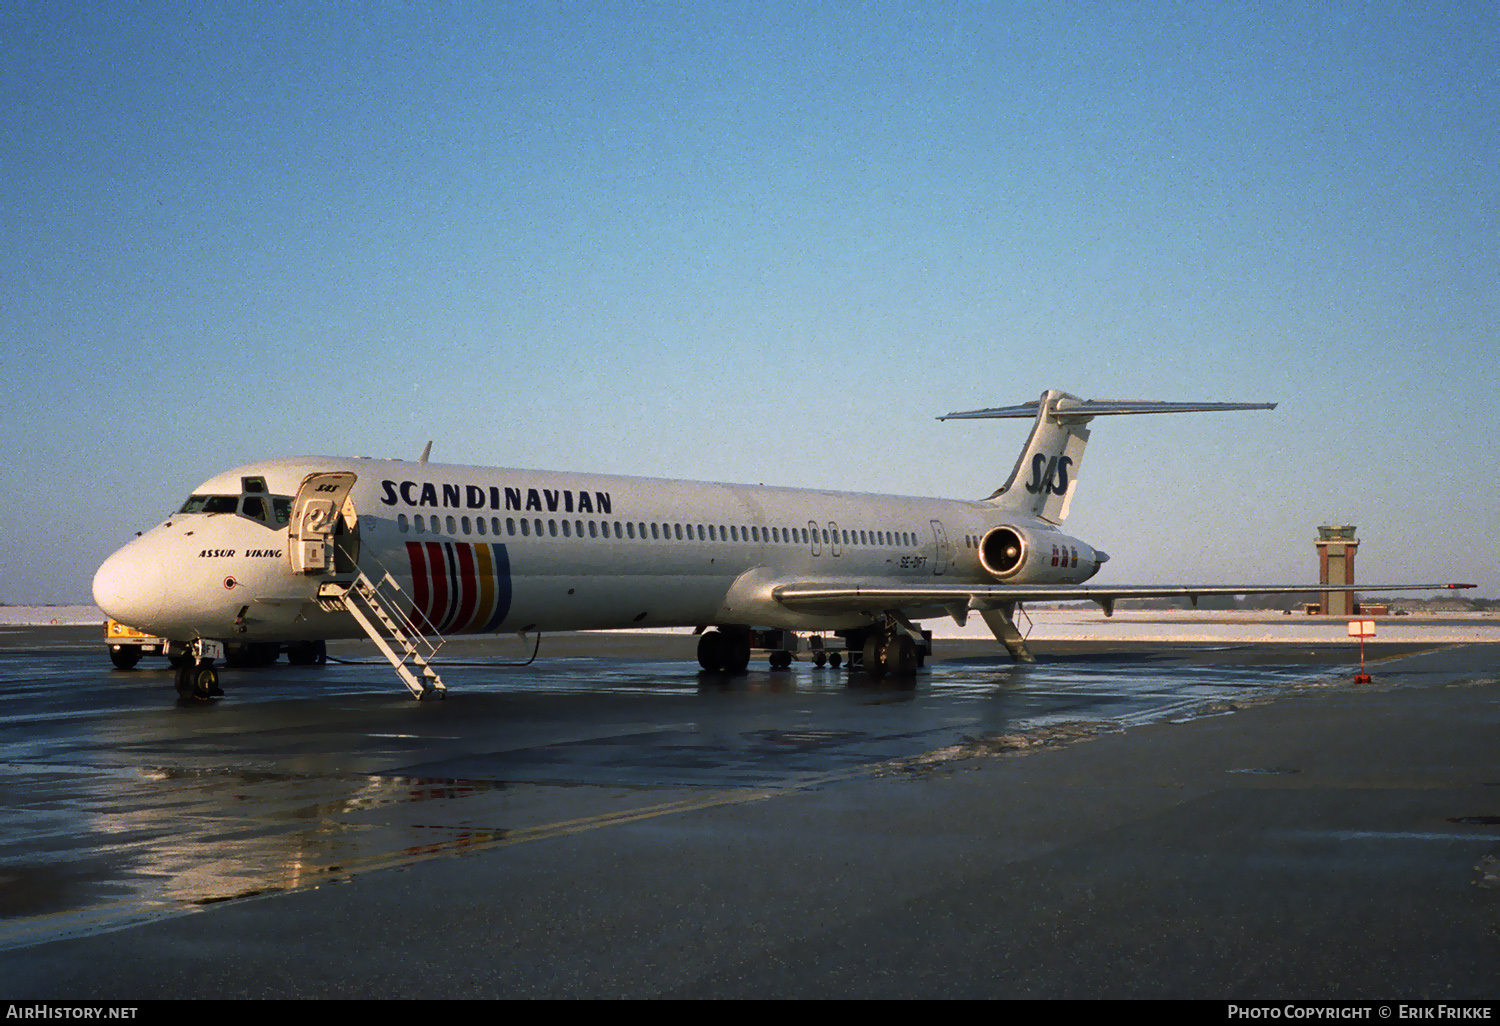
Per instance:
{"type": "Point", "coordinates": [763, 242]}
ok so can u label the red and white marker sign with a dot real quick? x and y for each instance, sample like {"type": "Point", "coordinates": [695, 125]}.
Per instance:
{"type": "Point", "coordinates": [1362, 629]}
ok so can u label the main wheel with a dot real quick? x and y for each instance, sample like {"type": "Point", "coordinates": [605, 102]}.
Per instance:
{"type": "Point", "coordinates": [265, 653]}
{"type": "Point", "coordinates": [711, 651]}
{"type": "Point", "coordinates": [736, 651]}
{"type": "Point", "coordinates": [901, 655]}
{"type": "Point", "coordinates": [306, 653]}
{"type": "Point", "coordinates": [874, 656]}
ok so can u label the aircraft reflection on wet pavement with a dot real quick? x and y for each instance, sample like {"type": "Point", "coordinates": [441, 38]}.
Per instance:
{"type": "Point", "coordinates": [120, 810]}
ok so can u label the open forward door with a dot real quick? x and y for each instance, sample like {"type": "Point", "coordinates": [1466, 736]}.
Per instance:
{"type": "Point", "coordinates": [322, 537]}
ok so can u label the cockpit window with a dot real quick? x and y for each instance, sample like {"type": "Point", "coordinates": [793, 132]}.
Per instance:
{"type": "Point", "coordinates": [253, 485]}
{"type": "Point", "coordinates": [210, 504]}
{"type": "Point", "coordinates": [271, 510]}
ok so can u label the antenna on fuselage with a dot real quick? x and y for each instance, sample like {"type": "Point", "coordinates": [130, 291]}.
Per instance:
{"type": "Point", "coordinates": [426, 453]}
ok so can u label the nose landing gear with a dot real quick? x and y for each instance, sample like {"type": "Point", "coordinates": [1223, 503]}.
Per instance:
{"type": "Point", "coordinates": [197, 679]}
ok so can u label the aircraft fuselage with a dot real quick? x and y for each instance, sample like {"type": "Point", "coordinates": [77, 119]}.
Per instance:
{"type": "Point", "coordinates": [483, 550]}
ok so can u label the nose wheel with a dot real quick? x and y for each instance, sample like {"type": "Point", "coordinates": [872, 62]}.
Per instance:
{"type": "Point", "coordinates": [196, 678]}
{"type": "Point", "coordinates": [198, 681]}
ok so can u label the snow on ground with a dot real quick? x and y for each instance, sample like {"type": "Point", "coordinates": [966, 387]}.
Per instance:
{"type": "Point", "coordinates": [41, 616]}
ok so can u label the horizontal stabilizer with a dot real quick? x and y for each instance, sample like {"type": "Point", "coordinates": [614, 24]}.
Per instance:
{"type": "Point", "coordinates": [1042, 483]}
{"type": "Point", "coordinates": [1085, 408]}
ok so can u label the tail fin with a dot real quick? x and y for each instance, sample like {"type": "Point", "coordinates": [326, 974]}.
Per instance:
{"type": "Point", "coordinates": [1042, 483]}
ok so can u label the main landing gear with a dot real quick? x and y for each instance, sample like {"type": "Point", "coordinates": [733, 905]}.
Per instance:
{"type": "Point", "coordinates": [728, 649]}
{"type": "Point", "coordinates": [306, 653]}
{"type": "Point", "coordinates": [724, 650]}
{"type": "Point", "coordinates": [894, 654]}
{"type": "Point", "coordinates": [891, 648]}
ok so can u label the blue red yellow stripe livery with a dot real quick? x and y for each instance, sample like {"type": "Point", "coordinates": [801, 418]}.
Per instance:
{"type": "Point", "coordinates": [459, 587]}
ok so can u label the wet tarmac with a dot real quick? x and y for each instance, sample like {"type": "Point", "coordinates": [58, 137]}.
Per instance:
{"type": "Point", "coordinates": [1181, 821]}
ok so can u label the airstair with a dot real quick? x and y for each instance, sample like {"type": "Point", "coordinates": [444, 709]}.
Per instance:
{"type": "Point", "coordinates": [377, 606]}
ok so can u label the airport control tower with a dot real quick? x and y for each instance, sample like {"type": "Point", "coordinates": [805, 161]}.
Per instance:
{"type": "Point", "coordinates": [1336, 547]}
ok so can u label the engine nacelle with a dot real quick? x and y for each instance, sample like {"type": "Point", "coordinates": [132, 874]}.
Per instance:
{"type": "Point", "coordinates": [1020, 555]}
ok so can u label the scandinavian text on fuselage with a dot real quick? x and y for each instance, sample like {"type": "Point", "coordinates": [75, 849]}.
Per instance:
{"type": "Point", "coordinates": [447, 495]}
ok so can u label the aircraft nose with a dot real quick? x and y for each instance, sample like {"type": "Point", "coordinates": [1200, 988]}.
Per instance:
{"type": "Point", "coordinates": [131, 586]}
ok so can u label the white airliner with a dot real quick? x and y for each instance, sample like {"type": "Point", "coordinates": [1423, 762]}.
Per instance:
{"type": "Point", "coordinates": [294, 551]}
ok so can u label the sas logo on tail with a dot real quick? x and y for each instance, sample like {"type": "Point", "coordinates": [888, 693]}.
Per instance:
{"type": "Point", "coordinates": [1049, 477]}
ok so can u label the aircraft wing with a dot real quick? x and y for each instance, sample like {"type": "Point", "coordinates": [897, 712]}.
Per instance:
{"type": "Point", "coordinates": [876, 597]}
